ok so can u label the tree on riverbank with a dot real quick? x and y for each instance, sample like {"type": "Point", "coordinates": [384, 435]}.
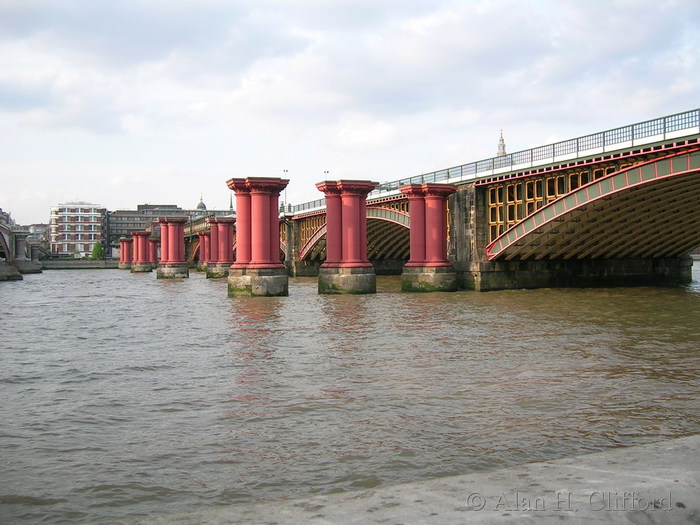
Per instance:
{"type": "Point", "coordinates": [98, 252]}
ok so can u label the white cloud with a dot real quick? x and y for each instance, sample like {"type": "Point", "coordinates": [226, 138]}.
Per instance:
{"type": "Point", "coordinates": [128, 102]}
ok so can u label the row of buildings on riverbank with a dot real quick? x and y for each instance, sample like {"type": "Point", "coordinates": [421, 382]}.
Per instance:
{"type": "Point", "coordinates": [75, 228]}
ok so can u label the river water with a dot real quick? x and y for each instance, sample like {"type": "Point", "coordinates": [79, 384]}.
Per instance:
{"type": "Point", "coordinates": [124, 395]}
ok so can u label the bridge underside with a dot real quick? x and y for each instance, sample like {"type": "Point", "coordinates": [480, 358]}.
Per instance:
{"type": "Point", "coordinates": [650, 211]}
{"type": "Point", "coordinates": [387, 243]}
{"type": "Point", "coordinates": [632, 227]}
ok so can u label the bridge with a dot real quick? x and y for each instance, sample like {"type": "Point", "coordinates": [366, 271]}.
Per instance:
{"type": "Point", "coordinates": [618, 207]}
{"type": "Point", "coordinates": [16, 256]}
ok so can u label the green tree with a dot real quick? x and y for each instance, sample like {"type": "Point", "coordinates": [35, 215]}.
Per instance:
{"type": "Point", "coordinates": [97, 251]}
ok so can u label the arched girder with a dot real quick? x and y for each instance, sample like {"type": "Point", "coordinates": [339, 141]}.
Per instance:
{"type": "Point", "coordinates": [386, 236]}
{"type": "Point", "coordinates": [389, 215]}
{"type": "Point", "coordinates": [310, 249]}
{"type": "Point", "coordinates": [315, 247]}
{"type": "Point", "coordinates": [647, 210]}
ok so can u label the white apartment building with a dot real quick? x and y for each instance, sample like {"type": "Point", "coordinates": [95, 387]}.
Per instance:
{"type": "Point", "coordinates": [75, 228]}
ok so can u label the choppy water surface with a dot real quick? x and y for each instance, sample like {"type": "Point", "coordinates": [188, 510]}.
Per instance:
{"type": "Point", "coordinates": [123, 395]}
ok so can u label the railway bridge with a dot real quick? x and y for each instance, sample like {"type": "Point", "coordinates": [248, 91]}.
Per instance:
{"type": "Point", "coordinates": [618, 207]}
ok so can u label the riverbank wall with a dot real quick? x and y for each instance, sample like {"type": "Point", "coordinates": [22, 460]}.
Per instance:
{"type": "Point", "coordinates": [79, 264]}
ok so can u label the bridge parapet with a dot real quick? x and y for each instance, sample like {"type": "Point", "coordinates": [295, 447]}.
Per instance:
{"type": "Point", "coordinates": [637, 135]}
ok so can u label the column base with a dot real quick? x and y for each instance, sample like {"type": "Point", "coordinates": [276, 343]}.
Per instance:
{"type": "Point", "coordinates": [173, 271]}
{"type": "Point", "coordinates": [9, 273]}
{"type": "Point", "coordinates": [354, 280]}
{"type": "Point", "coordinates": [217, 271]}
{"type": "Point", "coordinates": [428, 279]}
{"type": "Point", "coordinates": [258, 282]}
{"type": "Point", "coordinates": [26, 266]}
{"type": "Point", "coordinates": [124, 266]}
{"type": "Point", "coordinates": [141, 267]}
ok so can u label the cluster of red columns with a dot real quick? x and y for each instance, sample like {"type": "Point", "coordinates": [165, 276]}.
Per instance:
{"type": "Point", "coordinates": [428, 232]}
{"type": "Point", "coordinates": [346, 224]}
{"type": "Point", "coordinates": [172, 240]}
{"type": "Point", "coordinates": [142, 250]}
{"type": "Point", "coordinates": [257, 222]}
{"type": "Point", "coordinates": [216, 246]}
{"type": "Point", "coordinates": [257, 228]}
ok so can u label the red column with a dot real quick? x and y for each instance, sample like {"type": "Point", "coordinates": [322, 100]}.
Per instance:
{"type": "Point", "coordinates": [141, 252]}
{"type": "Point", "coordinates": [351, 228]}
{"type": "Point", "coordinates": [416, 199]}
{"type": "Point", "coordinates": [164, 241]}
{"type": "Point", "coordinates": [334, 222]}
{"type": "Point", "coordinates": [354, 198]}
{"type": "Point", "coordinates": [123, 243]}
{"type": "Point", "coordinates": [260, 225]}
{"type": "Point", "coordinates": [274, 222]}
{"type": "Point", "coordinates": [436, 223]}
{"type": "Point", "coordinates": [176, 233]}
{"type": "Point", "coordinates": [202, 248]}
{"type": "Point", "coordinates": [129, 250]}
{"type": "Point", "coordinates": [134, 247]}
{"type": "Point", "coordinates": [243, 232]}
{"type": "Point", "coordinates": [214, 256]}
{"type": "Point", "coordinates": [205, 249]}
{"type": "Point", "coordinates": [225, 230]}
{"type": "Point", "coordinates": [152, 250]}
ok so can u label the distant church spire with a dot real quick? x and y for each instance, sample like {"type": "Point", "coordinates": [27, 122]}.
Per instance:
{"type": "Point", "coordinates": [501, 146]}
{"type": "Point", "coordinates": [230, 206]}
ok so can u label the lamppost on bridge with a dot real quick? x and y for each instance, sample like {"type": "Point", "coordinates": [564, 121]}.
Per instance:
{"type": "Point", "coordinates": [285, 204]}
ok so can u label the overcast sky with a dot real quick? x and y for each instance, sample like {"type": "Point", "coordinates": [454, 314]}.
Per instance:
{"type": "Point", "coordinates": [160, 101]}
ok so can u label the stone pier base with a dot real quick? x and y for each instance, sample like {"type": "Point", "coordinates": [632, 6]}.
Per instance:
{"type": "Point", "coordinates": [258, 282]}
{"type": "Point", "coordinates": [9, 273]}
{"type": "Point", "coordinates": [124, 266]}
{"type": "Point", "coordinates": [217, 271]}
{"type": "Point", "coordinates": [428, 279]}
{"type": "Point", "coordinates": [141, 267]}
{"type": "Point", "coordinates": [336, 280]}
{"type": "Point", "coordinates": [172, 271]}
{"type": "Point", "coordinates": [587, 273]}
{"type": "Point", "coordinates": [27, 266]}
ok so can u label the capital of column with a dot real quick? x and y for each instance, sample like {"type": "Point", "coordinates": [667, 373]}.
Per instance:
{"type": "Point", "coordinates": [257, 184]}
{"type": "Point", "coordinates": [414, 191]}
{"type": "Point", "coordinates": [141, 234]}
{"type": "Point", "coordinates": [173, 220]}
{"type": "Point", "coordinates": [329, 187]}
{"type": "Point", "coordinates": [428, 190]}
{"type": "Point", "coordinates": [266, 184]}
{"type": "Point", "coordinates": [439, 190]}
{"type": "Point", "coordinates": [238, 185]}
{"type": "Point", "coordinates": [356, 187]}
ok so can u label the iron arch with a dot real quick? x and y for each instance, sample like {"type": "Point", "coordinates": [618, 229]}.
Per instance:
{"type": "Point", "coordinates": [649, 210]}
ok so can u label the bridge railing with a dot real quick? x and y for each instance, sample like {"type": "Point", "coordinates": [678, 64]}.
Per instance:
{"type": "Point", "coordinates": [672, 126]}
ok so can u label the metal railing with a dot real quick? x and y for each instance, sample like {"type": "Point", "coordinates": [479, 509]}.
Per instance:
{"type": "Point", "coordinates": [632, 135]}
